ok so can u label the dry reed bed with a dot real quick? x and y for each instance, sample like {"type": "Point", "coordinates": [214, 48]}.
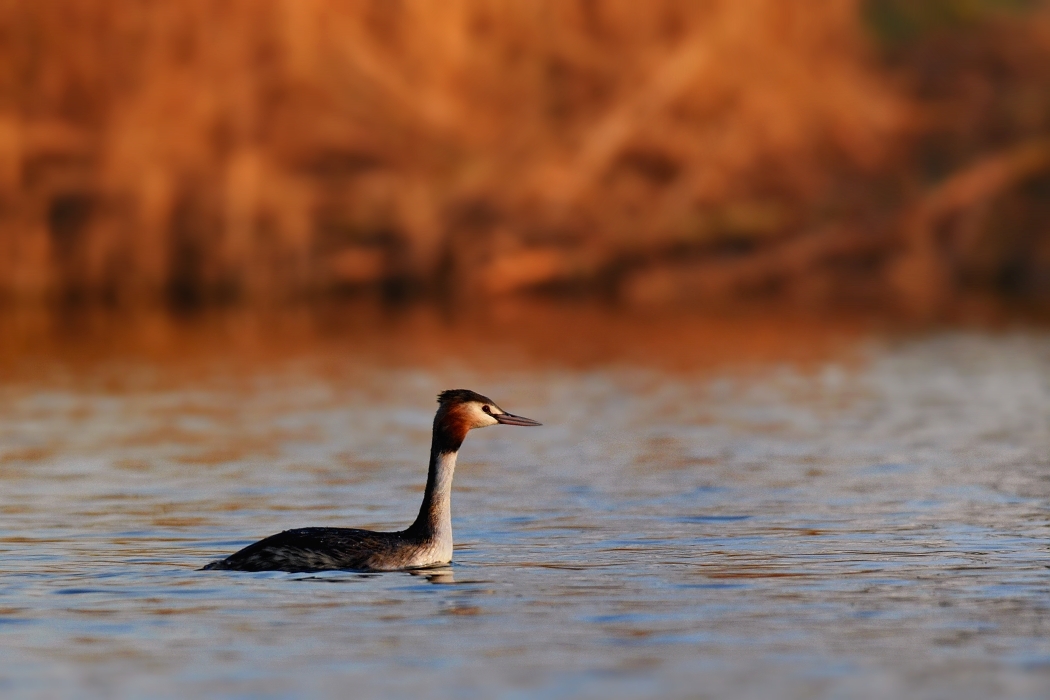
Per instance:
{"type": "Point", "coordinates": [653, 151]}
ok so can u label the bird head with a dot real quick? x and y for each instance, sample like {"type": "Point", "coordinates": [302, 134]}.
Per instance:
{"type": "Point", "coordinates": [462, 410]}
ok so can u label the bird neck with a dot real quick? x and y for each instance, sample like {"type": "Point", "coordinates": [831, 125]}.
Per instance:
{"type": "Point", "coordinates": [435, 514]}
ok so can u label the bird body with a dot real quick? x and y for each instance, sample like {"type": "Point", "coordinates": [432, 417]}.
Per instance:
{"type": "Point", "coordinates": [335, 549]}
{"type": "Point", "coordinates": [426, 542]}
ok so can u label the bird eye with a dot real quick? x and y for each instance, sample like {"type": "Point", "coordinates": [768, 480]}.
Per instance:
{"type": "Point", "coordinates": [487, 410]}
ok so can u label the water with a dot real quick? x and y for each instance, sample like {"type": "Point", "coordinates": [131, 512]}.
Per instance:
{"type": "Point", "coordinates": [871, 523]}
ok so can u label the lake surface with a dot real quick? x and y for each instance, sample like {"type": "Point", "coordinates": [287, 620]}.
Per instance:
{"type": "Point", "coordinates": [865, 516]}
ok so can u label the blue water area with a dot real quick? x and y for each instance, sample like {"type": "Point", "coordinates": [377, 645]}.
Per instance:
{"type": "Point", "coordinates": [870, 529]}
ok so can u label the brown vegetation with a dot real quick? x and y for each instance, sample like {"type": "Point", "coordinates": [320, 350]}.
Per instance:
{"type": "Point", "coordinates": [651, 152]}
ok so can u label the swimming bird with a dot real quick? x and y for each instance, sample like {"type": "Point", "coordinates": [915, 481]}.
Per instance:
{"type": "Point", "coordinates": [426, 542]}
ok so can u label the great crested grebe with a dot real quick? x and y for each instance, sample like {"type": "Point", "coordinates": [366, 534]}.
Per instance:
{"type": "Point", "coordinates": [426, 542]}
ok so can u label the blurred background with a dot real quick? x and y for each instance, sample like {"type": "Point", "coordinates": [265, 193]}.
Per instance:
{"type": "Point", "coordinates": [877, 154]}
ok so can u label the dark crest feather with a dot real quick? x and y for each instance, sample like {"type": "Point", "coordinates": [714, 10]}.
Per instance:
{"type": "Point", "coordinates": [461, 396]}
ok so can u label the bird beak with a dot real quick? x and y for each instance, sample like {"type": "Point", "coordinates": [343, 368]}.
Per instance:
{"type": "Point", "coordinates": [511, 419]}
